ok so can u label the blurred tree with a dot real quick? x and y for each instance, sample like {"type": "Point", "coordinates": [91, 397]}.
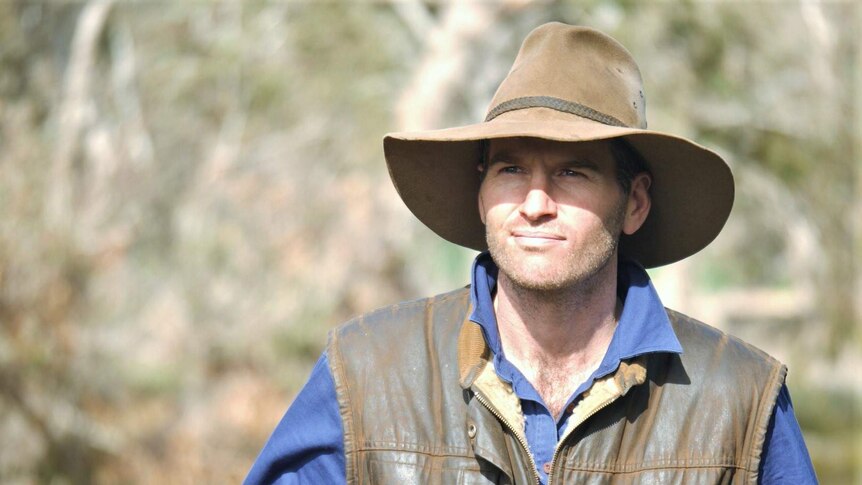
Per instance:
{"type": "Point", "coordinates": [192, 194]}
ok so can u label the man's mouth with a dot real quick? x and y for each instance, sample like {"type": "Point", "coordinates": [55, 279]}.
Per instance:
{"type": "Point", "coordinates": [536, 238]}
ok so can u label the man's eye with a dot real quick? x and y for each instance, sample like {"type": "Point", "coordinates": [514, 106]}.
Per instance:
{"type": "Point", "coordinates": [511, 169]}
{"type": "Point", "coordinates": [571, 173]}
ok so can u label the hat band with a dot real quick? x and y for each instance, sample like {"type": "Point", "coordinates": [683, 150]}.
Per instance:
{"type": "Point", "coordinates": [555, 104]}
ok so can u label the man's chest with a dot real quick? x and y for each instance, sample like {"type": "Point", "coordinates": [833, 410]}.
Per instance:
{"type": "Point", "coordinates": [554, 384]}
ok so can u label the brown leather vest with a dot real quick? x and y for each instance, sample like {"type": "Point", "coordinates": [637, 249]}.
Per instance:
{"type": "Point", "coordinates": [421, 403]}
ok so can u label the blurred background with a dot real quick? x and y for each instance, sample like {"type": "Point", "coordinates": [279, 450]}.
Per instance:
{"type": "Point", "coordinates": [193, 193]}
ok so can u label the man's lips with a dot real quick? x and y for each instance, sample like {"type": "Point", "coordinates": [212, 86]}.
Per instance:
{"type": "Point", "coordinates": [537, 235]}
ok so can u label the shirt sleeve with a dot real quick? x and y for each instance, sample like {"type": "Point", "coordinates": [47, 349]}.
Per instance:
{"type": "Point", "coordinates": [785, 457]}
{"type": "Point", "coordinates": [307, 446]}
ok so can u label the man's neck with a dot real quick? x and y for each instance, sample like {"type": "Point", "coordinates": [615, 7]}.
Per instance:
{"type": "Point", "coordinates": [557, 338]}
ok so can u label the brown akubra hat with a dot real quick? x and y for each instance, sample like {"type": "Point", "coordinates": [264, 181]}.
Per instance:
{"type": "Point", "coordinates": [567, 84]}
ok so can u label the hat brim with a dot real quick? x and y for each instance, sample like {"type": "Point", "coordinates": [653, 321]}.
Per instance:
{"type": "Point", "coordinates": [435, 173]}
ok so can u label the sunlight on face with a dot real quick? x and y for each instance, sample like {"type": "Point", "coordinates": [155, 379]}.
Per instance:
{"type": "Point", "coordinates": [553, 211]}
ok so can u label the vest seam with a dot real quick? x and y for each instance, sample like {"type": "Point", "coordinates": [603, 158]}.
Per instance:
{"type": "Point", "coordinates": [765, 410]}
{"type": "Point", "coordinates": [350, 457]}
{"type": "Point", "coordinates": [398, 446]}
{"type": "Point", "coordinates": [416, 452]}
{"type": "Point", "coordinates": [648, 469]}
{"type": "Point", "coordinates": [477, 468]}
{"type": "Point", "coordinates": [655, 465]}
{"type": "Point", "coordinates": [432, 367]}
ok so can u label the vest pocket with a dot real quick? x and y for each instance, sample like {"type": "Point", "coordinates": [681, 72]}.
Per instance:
{"type": "Point", "coordinates": [481, 477]}
{"type": "Point", "coordinates": [421, 469]}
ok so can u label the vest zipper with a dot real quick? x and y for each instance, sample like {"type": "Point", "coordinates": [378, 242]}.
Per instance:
{"type": "Point", "coordinates": [517, 435]}
{"type": "Point", "coordinates": [571, 429]}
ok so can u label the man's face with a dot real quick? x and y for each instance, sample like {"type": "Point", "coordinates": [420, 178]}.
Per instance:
{"type": "Point", "coordinates": [553, 211]}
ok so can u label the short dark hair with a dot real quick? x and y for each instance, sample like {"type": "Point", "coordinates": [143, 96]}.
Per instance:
{"type": "Point", "coordinates": [483, 162]}
{"type": "Point", "coordinates": [629, 162]}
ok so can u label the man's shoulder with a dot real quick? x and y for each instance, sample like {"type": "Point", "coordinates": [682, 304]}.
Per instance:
{"type": "Point", "coordinates": [412, 334]}
{"type": "Point", "coordinates": [704, 343]}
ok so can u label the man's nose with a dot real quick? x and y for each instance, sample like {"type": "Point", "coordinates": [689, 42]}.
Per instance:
{"type": "Point", "coordinates": [538, 202]}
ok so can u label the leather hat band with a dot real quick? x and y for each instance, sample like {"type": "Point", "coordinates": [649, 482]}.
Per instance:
{"type": "Point", "coordinates": [555, 104]}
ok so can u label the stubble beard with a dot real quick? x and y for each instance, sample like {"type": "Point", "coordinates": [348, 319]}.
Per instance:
{"type": "Point", "coordinates": [578, 271]}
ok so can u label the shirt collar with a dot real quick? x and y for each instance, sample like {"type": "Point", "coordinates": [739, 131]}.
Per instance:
{"type": "Point", "coordinates": [643, 328]}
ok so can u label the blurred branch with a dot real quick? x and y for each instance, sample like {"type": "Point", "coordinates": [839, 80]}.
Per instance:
{"type": "Point", "coordinates": [59, 426]}
{"type": "Point", "coordinates": [227, 147]}
{"type": "Point", "coordinates": [10, 390]}
{"type": "Point", "coordinates": [424, 101]}
{"type": "Point", "coordinates": [416, 16]}
{"type": "Point", "coordinates": [73, 109]}
{"type": "Point", "coordinates": [123, 73]}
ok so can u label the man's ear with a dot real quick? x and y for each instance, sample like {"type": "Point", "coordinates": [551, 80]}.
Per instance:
{"type": "Point", "coordinates": [481, 207]}
{"type": "Point", "coordinates": [638, 204]}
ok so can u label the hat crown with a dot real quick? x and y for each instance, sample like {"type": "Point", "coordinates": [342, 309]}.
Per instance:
{"type": "Point", "coordinates": [577, 65]}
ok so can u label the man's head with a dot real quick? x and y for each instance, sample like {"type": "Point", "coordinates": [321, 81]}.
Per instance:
{"type": "Point", "coordinates": [572, 85]}
{"type": "Point", "coordinates": [554, 211]}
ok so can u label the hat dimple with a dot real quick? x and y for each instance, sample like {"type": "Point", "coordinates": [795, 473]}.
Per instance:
{"type": "Point", "coordinates": [578, 65]}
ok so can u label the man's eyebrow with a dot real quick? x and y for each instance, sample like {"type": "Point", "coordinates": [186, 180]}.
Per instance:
{"type": "Point", "coordinates": [502, 157]}
{"type": "Point", "coordinates": [579, 163]}
{"type": "Point", "coordinates": [507, 157]}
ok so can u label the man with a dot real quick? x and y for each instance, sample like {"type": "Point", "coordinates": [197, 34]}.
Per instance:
{"type": "Point", "coordinates": [559, 363]}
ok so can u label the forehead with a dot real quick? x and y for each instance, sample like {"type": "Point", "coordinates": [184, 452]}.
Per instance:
{"type": "Point", "coordinates": [598, 152]}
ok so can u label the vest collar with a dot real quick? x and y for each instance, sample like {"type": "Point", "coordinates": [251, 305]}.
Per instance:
{"type": "Point", "coordinates": [474, 356]}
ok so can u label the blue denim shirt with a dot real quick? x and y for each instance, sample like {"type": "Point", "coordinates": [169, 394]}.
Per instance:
{"type": "Point", "coordinates": [307, 446]}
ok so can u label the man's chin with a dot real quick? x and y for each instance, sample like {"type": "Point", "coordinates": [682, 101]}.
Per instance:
{"type": "Point", "coordinates": [545, 273]}
{"type": "Point", "coordinates": [537, 277]}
